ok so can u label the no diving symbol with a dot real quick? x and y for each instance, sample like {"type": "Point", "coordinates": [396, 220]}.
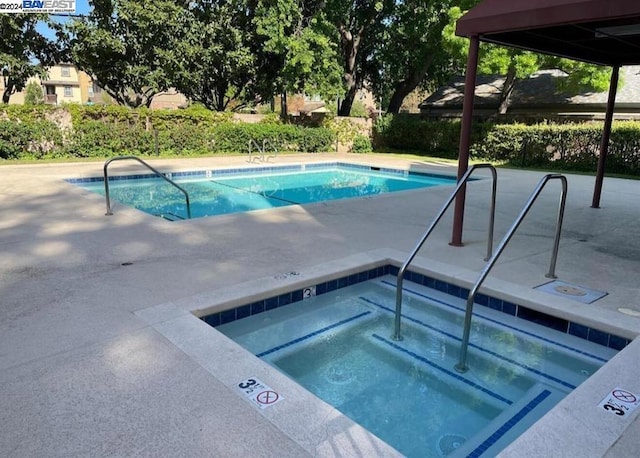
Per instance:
{"type": "Point", "coordinates": [267, 397]}
{"type": "Point", "coordinates": [624, 396]}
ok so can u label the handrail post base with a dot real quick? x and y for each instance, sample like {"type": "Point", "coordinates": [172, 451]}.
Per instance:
{"type": "Point", "coordinates": [461, 368]}
{"type": "Point", "coordinates": [397, 337]}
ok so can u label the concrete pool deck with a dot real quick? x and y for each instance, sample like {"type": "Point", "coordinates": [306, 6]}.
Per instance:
{"type": "Point", "coordinates": [99, 354]}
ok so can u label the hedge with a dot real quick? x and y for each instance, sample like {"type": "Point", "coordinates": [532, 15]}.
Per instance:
{"type": "Point", "coordinates": [568, 146]}
{"type": "Point", "coordinates": [411, 133]}
{"type": "Point", "coordinates": [573, 146]}
{"type": "Point", "coordinates": [28, 139]}
{"type": "Point", "coordinates": [103, 131]}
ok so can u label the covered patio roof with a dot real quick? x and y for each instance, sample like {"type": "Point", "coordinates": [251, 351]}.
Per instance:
{"type": "Point", "coordinates": [604, 32]}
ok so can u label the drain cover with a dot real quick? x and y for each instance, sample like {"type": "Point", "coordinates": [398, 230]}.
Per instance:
{"type": "Point", "coordinates": [570, 290]}
{"type": "Point", "coordinates": [573, 292]}
{"type": "Point", "coordinates": [339, 375]}
{"type": "Point", "coordinates": [450, 442]}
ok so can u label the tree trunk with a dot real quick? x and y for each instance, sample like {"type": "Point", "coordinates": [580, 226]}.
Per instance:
{"type": "Point", "coordinates": [284, 110]}
{"type": "Point", "coordinates": [350, 45]}
{"type": "Point", "coordinates": [6, 94]}
{"type": "Point", "coordinates": [220, 93]}
{"type": "Point", "coordinates": [347, 103]}
{"type": "Point", "coordinates": [507, 90]}
{"type": "Point", "coordinates": [404, 88]}
{"type": "Point", "coordinates": [8, 91]}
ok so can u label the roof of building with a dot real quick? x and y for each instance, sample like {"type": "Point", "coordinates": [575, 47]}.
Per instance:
{"type": "Point", "coordinates": [539, 89]}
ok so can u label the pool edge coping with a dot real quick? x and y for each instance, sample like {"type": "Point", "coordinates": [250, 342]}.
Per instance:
{"type": "Point", "coordinates": [165, 317]}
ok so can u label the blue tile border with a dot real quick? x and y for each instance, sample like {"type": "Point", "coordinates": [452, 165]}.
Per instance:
{"type": "Point", "coordinates": [452, 374]}
{"type": "Point", "coordinates": [593, 335]}
{"type": "Point", "coordinates": [273, 168]}
{"type": "Point", "coordinates": [500, 306]}
{"type": "Point", "coordinates": [270, 303]}
{"type": "Point", "coordinates": [476, 346]}
{"type": "Point", "coordinates": [312, 334]}
{"type": "Point", "coordinates": [514, 420]}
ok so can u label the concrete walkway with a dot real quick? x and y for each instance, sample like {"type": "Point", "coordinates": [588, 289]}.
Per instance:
{"type": "Point", "coordinates": [86, 368]}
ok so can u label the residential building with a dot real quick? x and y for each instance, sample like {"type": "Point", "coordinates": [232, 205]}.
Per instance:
{"type": "Point", "coordinates": [539, 96]}
{"type": "Point", "coordinates": [64, 84]}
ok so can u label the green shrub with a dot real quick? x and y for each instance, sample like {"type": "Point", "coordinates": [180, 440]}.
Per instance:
{"type": "Point", "coordinates": [14, 139]}
{"type": "Point", "coordinates": [95, 139]}
{"type": "Point", "coordinates": [567, 146]}
{"type": "Point", "coordinates": [342, 128]}
{"type": "Point", "coordinates": [571, 146]}
{"type": "Point", "coordinates": [315, 139]}
{"type": "Point", "coordinates": [284, 137]}
{"type": "Point", "coordinates": [361, 144]}
{"type": "Point", "coordinates": [33, 94]}
{"type": "Point", "coordinates": [28, 139]}
{"type": "Point", "coordinates": [359, 110]}
{"type": "Point", "coordinates": [185, 139]}
{"type": "Point", "coordinates": [411, 133]}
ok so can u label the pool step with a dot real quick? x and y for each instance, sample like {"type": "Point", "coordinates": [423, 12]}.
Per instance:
{"type": "Point", "coordinates": [510, 424]}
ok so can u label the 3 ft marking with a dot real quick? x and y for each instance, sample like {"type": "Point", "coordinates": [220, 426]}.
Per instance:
{"type": "Point", "coordinates": [259, 393]}
{"type": "Point", "coordinates": [620, 402]}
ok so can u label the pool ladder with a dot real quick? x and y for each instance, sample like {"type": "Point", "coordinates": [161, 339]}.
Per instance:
{"type": "Point", "coordinates": [160, 174]}
{"type": "Point", "coordinates": [491, 259]}
{"type": "Point", "coordinates": [262, 150]}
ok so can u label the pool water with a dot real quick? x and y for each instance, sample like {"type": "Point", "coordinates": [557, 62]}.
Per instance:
{"type": "Point", "coordinates": [339, 346]}
{"type": "Point", "coordinates": [214, 193]}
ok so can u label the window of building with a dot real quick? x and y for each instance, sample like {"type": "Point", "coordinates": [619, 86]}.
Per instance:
{"type": "Point", "coordinates": [90, 90]}
{"type": "Point", "coordinates": [68, 91]}
{"type": "Point", "coordinates": [66, 72]}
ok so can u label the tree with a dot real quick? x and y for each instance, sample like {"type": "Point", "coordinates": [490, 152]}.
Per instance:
{"type": "Point", "coordinates": [127, 47]}
{"type": "Point", "coordinates": [516, 64]}
{"type": "Point", "coordinates": [33, 94]}
{"type": "Point", "coordinates": [357, 23]}
{"type": "Point", "coordinates": [24, 52]}
{"type": "Point", "coordinates": [214, 60]}
{"type": "Point", "coordinates": [410, 53]}
{"type": "Point", "coordinates": [242, 52]}
{"type": "Point", "coordinates": [298, 37]}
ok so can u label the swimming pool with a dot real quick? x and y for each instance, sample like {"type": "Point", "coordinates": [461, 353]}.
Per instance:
{"type": "Point", "coordinates": [219, 192]}
{"type": "Point", "coordinates": [413, 399]}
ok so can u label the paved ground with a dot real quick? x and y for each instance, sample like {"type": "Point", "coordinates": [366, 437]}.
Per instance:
{"type": "Point", "coordinates": [86, 369]}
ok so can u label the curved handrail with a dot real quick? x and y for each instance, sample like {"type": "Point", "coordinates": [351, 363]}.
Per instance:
{"type": "Point", "coordinates": [266, 143]}
{"type": "Point", "coordinates": [252, 142]}
{"type": "Point", "coordinates": [122, 158]}
{"type": "Point", "coordinates": [461, 183]}
{"type": "Point", "coordinates": [462, 363]}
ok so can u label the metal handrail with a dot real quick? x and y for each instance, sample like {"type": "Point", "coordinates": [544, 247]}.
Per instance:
{"type": "Point", "coordinates": [266, 143]}
{"type": "Point", "coordinates": [461, 183]}
{"type": "Point", "coordinates": [252, 142]}
{"type": "Point", "coordinates": [462, 363]}
{"type": "Point", "coordinates": [122, 158]}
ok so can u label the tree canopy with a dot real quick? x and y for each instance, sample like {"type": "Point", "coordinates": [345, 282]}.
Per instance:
{"type": "Point", "coordinates": [24, 51]}
{"type": "Point", "coordinates": [411, 54]}
{"type": "Point", "coordinates": [517, 64]}
{"type": "Point", "coordinates": [227, 54]}
{"type": "Point", "coordinates": [128, 47]}
{"type": "Point", "coordinates": [214, 59]}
